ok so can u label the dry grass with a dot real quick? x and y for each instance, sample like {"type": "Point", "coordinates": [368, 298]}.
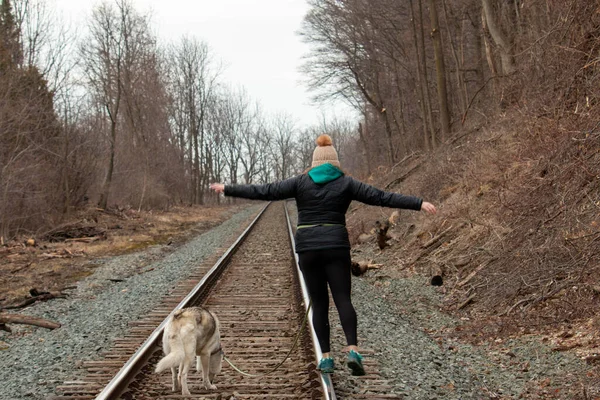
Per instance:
{"type": "Point", "coordinates": [519, 223]}
{"type": "Point", "coordinates": [52, 265]}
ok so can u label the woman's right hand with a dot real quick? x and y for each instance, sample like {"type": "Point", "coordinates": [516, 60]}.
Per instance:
{"type": "Point", "coordinates": [217, 187]}
{"type": "Point", "coordinates": [428, 207]}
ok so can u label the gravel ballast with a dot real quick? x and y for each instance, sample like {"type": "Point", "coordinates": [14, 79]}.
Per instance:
{"type": "Point", "coordinates": [396, 320]}
{"type": "Point", "coordinates": [395, 317]}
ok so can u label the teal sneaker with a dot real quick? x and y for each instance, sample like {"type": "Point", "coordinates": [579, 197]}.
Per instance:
{"type": "Point", "coordinates": [355, 363]}
{"type": "Point", "coordinates": [326, 365]}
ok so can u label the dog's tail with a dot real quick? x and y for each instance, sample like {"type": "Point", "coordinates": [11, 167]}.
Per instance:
{"type": "Point", "coordinates": [176, 355]}
{"type": "Point", "coordinates": [171, 360]}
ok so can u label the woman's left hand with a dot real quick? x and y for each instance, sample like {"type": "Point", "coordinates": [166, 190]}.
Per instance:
{"type": "Point", "coordinates": [217, 187]}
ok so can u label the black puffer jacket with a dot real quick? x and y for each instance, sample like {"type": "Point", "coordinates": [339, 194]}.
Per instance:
{"type": "Point", "coordinates": [322, 207]}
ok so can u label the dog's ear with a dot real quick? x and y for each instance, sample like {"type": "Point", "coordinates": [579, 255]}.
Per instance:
{"type": "Point", "coordinates": [178, 314]}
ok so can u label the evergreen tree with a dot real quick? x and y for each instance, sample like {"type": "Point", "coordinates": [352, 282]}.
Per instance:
{"type": "Point", "coordinates": [29, 135]}
{"type": "Point", "coordinates": [10, 48]}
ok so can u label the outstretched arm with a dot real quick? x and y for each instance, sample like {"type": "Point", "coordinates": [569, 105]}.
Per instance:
{"type": "Point", "coordinates": [371, 195]}
{"type": "Point", "coordinates": [270, 191]}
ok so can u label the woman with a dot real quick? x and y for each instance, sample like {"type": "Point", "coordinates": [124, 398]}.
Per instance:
{"type": "Point", "coordinates": [323, 196]}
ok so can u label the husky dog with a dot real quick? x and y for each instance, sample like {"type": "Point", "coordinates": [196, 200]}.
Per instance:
{"type": "Point", "coordinates": [192, 332]}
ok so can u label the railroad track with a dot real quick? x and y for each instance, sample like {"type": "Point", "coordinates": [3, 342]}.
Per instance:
{"type": "Point", "coordinates": [254, 289]}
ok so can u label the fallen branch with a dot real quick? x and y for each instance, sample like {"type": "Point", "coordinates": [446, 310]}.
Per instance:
{"type": "Point", "coordinates": [468, 301]}
{"type": "Point", "coordinates": [436, 239]}
{"type": "Point", "coordinates": [550, 294]}
{"type": "Point", "coordinates": [517, 304]}
{"type": "Point", "coordinates": [49, 256]}
{"type": "Point", "coordinates": [583, 236]}
{"type": "Point", "coordinates": [41, 297]}
{"type": "Point", "coordinates": [84, 239]}
{"type": "Point", "coordinates": [27, 320]}
{"type": "Point", "coordinates": [475, 272]}
{"type": "Point", "coordinates": [530, 301]}
{"type": "Point", "coordinates": [14, 271]}
{"type": "Point", "coordinates": [566, 347]}
{"type": "Point", "coordinates": [402, 177]}
{"type": "Point", "coordinates": [408, 157]}
{"type": "Point", "coordinates": [73, 231]}
{"type": "Point", "coordinates": [461, 263]}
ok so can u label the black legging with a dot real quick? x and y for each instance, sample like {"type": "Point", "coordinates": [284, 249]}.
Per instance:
{"type": "Point", "coordinates": [322, 267]}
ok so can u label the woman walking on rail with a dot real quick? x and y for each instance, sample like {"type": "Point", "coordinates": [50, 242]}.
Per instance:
{"type": "Point", "coordinates": [323, 196]}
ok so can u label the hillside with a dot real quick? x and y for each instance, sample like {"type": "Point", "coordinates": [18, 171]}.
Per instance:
{"type": "Point", "coordinates": [517, 235]}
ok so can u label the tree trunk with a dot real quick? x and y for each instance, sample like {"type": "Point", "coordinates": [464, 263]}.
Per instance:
{"type": "Point", "coordinates": [425, 79]}
{"type": "Point", "coordinates": [502, 40]}
{"type": "Point", "coordinates": [440, 71]}
{"type": "Point", "coordinates": [388, 131]}
{"type": "Point", "coordinates": [202, 180]}
{"type": "Point", "coordinates": [401, 126]}
{"type": "Point", "coordinates": [65, 169]}
{"type": "Point", "coordinates": [460, 78]}
{"type": "Point", "coordinates": [103, 202]}
{"type": "Point", "coordinates": [365, 142]}
{"type": "Point", "coordinates": [195, 152]}
{"type": "Point", "coordinates": [145, 181]}
{"type": "Point", "coordinates": [489, 55]}
{"type": "Point", "coordinates": [420, 85]}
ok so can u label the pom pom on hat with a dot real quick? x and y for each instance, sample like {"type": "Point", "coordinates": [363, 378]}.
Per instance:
{"type": "Point", "coordinates": [325, 152]}
{"type": "Point", "coordinates": [324, 140]}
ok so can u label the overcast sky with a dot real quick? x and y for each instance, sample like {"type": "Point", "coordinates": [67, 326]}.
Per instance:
{"type": "Point", "coordinates": [255, 39]}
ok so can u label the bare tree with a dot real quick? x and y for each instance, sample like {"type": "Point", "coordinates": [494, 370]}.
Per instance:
{"type": "Point", "coordinates": [346, 63]}
{"type": "Point", "coordinates": [421, 79]}
{"type": "Point", "coordinates": [194, 84]}
{"type": "Point", "coordinates": [282, 148]}
{"type": "Point", "coordinates": [440, 70]}
{"type": "Point", "coordinates": [103, 55]}
{"type": "Point", "coordinates": [265, 160]}
{"type": "Point", "coordinates": [253, 129]}
{"type": "Point", "coordinates": [47, 41]}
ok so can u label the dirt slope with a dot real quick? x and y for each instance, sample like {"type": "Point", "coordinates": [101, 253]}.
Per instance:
{"type": "Point", "coordinates": [517, 235]}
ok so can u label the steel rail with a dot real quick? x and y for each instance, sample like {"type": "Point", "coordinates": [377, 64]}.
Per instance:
{"type": "Point", "coordinates": [328, 390]}
{"type": "Point", "coordinates": [126, 374]}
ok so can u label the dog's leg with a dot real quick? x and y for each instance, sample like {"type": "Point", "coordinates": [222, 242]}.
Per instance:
{"type": "Point", "coordinates": [205, 359]}
{"type": "Point", "coordinates": [189, 351]}
{"type": "Point", "coordinates": [198, 364]}
{"type": "Point", "coordinates": [175, 379]}
{"type": "Point", "coordinates": [184, 368]}
{"type": "Point", "coordinates": [216, 361]}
